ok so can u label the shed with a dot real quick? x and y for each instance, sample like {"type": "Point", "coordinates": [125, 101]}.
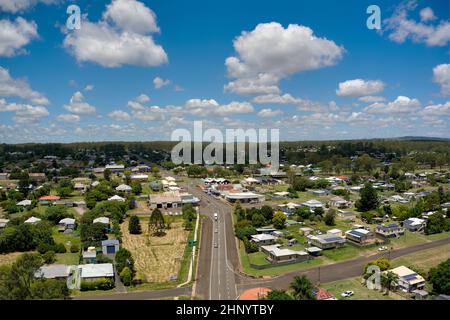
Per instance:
{"type": "Point", "coordinates": [110, 246]}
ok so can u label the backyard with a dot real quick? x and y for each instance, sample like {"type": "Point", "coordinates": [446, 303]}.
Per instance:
{"type": "Point", "coordinates": [157, 259]}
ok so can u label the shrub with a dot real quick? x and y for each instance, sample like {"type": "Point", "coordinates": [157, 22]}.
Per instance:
{"type": "Point", "coordinates": [102, 284]}
{"type": "Point", "coordinates": [74, 248]}
{"type": "Point", "coordinates": [49, 257]}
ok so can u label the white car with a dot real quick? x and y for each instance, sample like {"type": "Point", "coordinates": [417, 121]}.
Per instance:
{"type": "Point", "coordinates": [382, 248]}
{"type": "Point", "coordinates": [346, 294]}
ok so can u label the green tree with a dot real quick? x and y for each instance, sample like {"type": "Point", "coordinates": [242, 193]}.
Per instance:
{"type": "Point", "coordinates": [107, 174]}
{"type": "Point", "coordinates": [46, 289]}
{"type": "Point", "coordinates": [279, 219]}
{"type": "Point", "coordinates": [368, 198]}
{"type": "Point", "coordinates": [124, 259]}
{"type": "Point", "coordinates": [277, 294]}
{"type": "Point", "coordinates": [329, 218]}
{"type": "Point", "coordinates": [439, 277]}
{"type": "Point", "coordinates": [303, 288]}
{"type": "Point", "coordinates": [267, 212]}
{"type": "Point", "coordinates": [436, 224]}
{"type": "Point", "coordinates": [382, 263]}
{"type": "Point", "coordinates": [389, 280]}
{"type": "Point", "coordinates": [156, 222]}
{"type": "Point", "coordinates": [16, 280]}
{"type": "Point", "coordinates": [49, 257]}
{"type": "Point", "coordinates": [134, 226]}
{"type": "Point", "coordinates": [126, 276]}
{"type": "Point", "coordinates": [258, 220]}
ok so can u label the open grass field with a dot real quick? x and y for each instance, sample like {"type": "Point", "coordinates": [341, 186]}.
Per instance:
{"type": "Point", "coordinates": [354, 284]}
{"type": "Point", "coordinates": [156, 258]}
{"type": "Point", "coordinates": [425, 259]}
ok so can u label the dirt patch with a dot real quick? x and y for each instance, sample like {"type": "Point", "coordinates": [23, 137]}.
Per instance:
{"type": "Point", "coordinates": [156, 258]}
{"type": "Point", "coordinates": [9, 258]}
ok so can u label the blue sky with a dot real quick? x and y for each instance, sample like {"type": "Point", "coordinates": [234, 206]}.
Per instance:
{"type": "Point", "coordinates": [310, 68]}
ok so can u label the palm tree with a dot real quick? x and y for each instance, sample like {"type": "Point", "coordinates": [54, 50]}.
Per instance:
{"type": "Point", "coordinates": [389, 280]}
{"type": "Point", "coordinates": [303, 288]}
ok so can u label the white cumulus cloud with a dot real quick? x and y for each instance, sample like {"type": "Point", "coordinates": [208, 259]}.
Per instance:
{"type": "Point", "coordinates": [69, 118]}
{"type": "Point", "coordinates": [441, 76]}
{"type": "Point", "coordinates": [359, 88]}
{"type": "Point", "coordinates": [122, 37]}
{"type": "Point", "coordinates": [77, 105]}
{"type": "Point", "coordinates": [401, 104]}
{"type": "Point", "coordinates": [269, 113]}
{"type": "Point", "coordinates": [159, 82]}
{"type": "Point", "coordinates": [10, 87]}
{"type": "Point", "coordinates": [15, 34]}
{"type": "Point", "coordinates": [271, 52]}
{"type": "Point", "coordinates": [119, 115]}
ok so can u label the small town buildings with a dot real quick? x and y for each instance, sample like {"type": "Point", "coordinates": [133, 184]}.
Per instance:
{"type": "Point", "coordinates": [312, 204]}
{"type": "Point", "coordinates": [93, 272]}
{"type": "Point", "coordinates": [4, 176]}
{"type": "Point", "coordinates": [32, 220]}
{"type": "Point", "coordinates": [319, 193]}
{"type": "Point", "coordinates": [49, 199]}
{"type": "Point", "coordinates": [24, 203]}
{"type": "Point", "coordinates": [79, 186]}
{"type": "Point", "coordinates": [156, 185]}
{"type": "Point", "coordinates": [90, 256]}
{"type": "Point", "coordinates": [346, 215]}
{"type": "Point", "coordinates": [110, 246]}
{"type": "Point", "coordinates": [335, 232]}
{"type": "Point", "coordinates": [166, 200]}
{"type": "Point", "coordinates": [326, 241]}
{"type": "Point", "coordinates": [139, 177]}
{"type": "Point", "coordinates": [123, 188]}
{"type": "Point", "coordinates": [37, 176]}
{"type": "Point", "coordinates": [276, 254]}
{"type": "Point", "coordinates": [189, 198]}
{"type": "Point", "coordinates": [263, 239]}
{"type": "Point", "coordinates": [314, 251]}
{"type": "Point", "coordinates": [323, 294]}
{"type": "Point", "coordinates": [390, 231]}
{"type": "Point", "coordinates": [339, 202]}
{"type": "Point", "coordinates": [95, 183]}
{"type": "Point", "coordinates": [414, 224]}
{"type": "Point", "coordinates": [103, 220]}
{"type": "Point", "coordinates": [408, 280]}
{"type": "Point", "coordinates": [3, 223]}
{"type": "Point", "coordinates": [116, 198]}
{"type": "Point", "coordinates": [54, 271]}
{"type": "Point", "coordinates": [115, 167]}
{"type": "Point", "coordinates": [305, 231]}
{"type": "Point", "coordinates": [360, 236]}
{"type": "Point", "coordinates": [244, 197]}
{"type": "Point", "coordinates": [66, 224]}
{"type": "Point", "coordinates": [397, 198]}
{"type": "Point", "coordinates": [266, 230]}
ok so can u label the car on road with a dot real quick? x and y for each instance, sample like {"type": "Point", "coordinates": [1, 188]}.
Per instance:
{"type": "Point", "coordinates": [216, 216]}
{"type": "Point", "coordinates": [216, 230]}
{"type": "Point", "coordinates": [347, 294]}
{"type": "Point", "coordinates": [382, 248]}
{"type": "Point", "coordinates": [216, 245]}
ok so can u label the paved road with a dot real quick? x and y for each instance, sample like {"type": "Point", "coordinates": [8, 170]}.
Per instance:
{"type": "Point", "coordinates": [216, 278]}
{"type": "Point", "coordinates": [337, 271]}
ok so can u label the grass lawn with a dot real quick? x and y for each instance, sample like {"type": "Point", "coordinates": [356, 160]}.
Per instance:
{"type": "Point", "coordinates": [413, 238]}
{"type": "Point", "coordinates": [346, 252]}
{"type": "Point", "coordinates": [67, 258]}
{"type": "Point", "coordinates": [66, 239]}
{"type": "Point", "coordinates": [423, 260]}
{"type": "Point", "coordinates": [361, 292]}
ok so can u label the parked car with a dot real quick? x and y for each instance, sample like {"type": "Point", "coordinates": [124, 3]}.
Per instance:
{"type": "Point", "coordinates": [382, 248]}
{"type": "Point", "coordinates": [347, 294]}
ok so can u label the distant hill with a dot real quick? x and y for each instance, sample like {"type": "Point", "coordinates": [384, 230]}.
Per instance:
{"type": "Point", "coordinates": [418, 138]}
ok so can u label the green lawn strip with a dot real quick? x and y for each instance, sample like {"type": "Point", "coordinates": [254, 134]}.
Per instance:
{"type": "Point", "coordinates": [361, 292]}
{"type": "Point", "coordinates": [424, 259]}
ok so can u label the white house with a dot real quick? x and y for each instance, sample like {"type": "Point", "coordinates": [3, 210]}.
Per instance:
{"type": "Point", "coordinates": [92, 272]}
{"type": "Point", "coordinates": [24, 203]}
{"type": "Point", "coordinates": [103, 220]}
{"type": "Point", "coordinates": [123, 188]}
{"type": "Point", "coordinates": [32, 220]}
{"type": "Point", "coordinates": [263, 239]}
{"type": "Point", "coordinates": [414, 224]}
{"type": "Point", "coordinates": [116, 198]}
{"type": "Point", "coordinates": [408, 280]}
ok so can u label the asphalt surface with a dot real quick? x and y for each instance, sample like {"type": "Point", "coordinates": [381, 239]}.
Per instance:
{"type": "Point", "coordinates": [216, 277]}
{"type": "Point", "coordinates": [141, 295]}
